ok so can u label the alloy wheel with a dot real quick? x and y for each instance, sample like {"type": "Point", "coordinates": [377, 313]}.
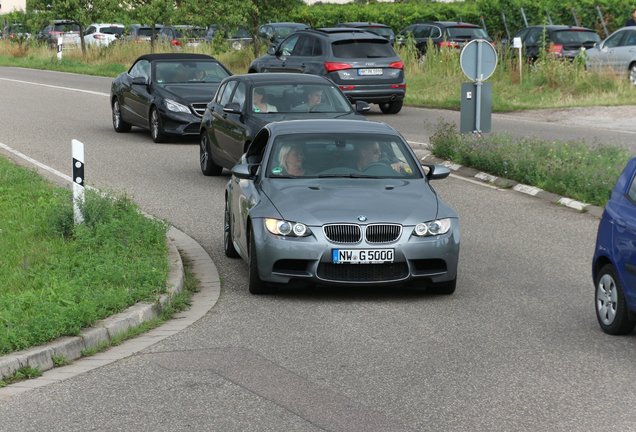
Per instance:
{"type": "Point", "coordinates": [606, 299]}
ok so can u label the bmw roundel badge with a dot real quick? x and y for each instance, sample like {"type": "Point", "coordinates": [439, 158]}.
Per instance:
{"type": "Point", "coordinates": [362, 218]}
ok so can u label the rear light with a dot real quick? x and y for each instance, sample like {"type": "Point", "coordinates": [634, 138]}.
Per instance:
{"type": "Point", "coordinates": [398, 86]}
{"type": "Point", "coordinates": [555, 48]}
{"type": "Point", "coordinates": [335, 66]}
{"type": "Point", "coordinates": [347, 87]}
{"type": "Point", "coordinates": [397, 65]}
{"type": "Point", "coordinates": [99, 36]}
{"type": "Point", "coordinates": [448, 44]}
{"type": "Point", "coordinates": [175, 42]}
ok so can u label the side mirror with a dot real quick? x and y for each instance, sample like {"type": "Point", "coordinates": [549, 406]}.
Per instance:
{"type": "Point", "coordinates": [232, 107]}
{"type": "Point", "coordinates": [242, 171]}
{"type": "Point", "coordinates": [436, 172]}
{"type": "Point", "coordinates": [271, 50]}
{"type": "Point", "coordinates": [139, 80]}
{"type": "Point", "coordinates": [362, 107]}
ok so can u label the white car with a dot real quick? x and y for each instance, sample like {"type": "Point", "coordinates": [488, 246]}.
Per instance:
{"type": "Point", "coordinates": [102, 34]}
{"type": "Point", "coordinates": [615, 54]}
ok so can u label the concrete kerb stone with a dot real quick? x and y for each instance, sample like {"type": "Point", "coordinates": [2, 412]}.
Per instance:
{"type": "Point", "coordinates": [103, 331]}
{"type": "Point", "coordinates": [427, 157]}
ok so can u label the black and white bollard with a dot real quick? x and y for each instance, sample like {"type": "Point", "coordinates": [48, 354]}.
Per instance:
{"type": "Point", "coordinates": [78, 180]}
{"type": "Point", "coordinates": [60, 46]}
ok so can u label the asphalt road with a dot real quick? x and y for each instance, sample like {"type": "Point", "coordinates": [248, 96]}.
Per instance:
{"type": "Point", "coordinates": [516, 348]}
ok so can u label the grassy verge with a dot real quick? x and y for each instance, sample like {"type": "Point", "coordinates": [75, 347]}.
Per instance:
{"type": "Point", "coordinates": [58, 278]}
{"type": "Point", "coordinates": [570, 169]}
{"type": "Point", "coordinates": [434, 82]}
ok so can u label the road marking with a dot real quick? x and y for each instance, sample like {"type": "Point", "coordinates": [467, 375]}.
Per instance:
{"type": "Point", "coordinates": [57, 87]}
{"type": "Point", "coordinates": [36, 163]}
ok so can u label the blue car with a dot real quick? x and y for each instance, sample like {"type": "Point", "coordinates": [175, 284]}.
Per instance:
{"type": "Point", "coordinates": [614, 264]}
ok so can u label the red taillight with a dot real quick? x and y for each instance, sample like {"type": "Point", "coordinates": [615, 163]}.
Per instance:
{"type": "Point", "coordinates": [555, 48]}
{"type": "Point", "coordinates": [448, 44]}
{"type": "Point", "coordinates": [398, 86]}
{"type": "Point", "coordinates": [397, 65]}
{"type": "Point", "coordinates": [347, 87]}
{"type": "Point", "coordinates": [175, 42]}
{"type": "Point", "coordinates": [335, 66]}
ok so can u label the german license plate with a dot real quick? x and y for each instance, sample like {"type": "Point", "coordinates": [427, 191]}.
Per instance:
{"type": "Point", "coordinates": [375, 71]}
{"type": "Point", "coordinates": [362, 256]}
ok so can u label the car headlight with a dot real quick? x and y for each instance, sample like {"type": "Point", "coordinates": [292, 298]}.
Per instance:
{"type": "Point", "coordinates": [176, 106]}
{"type": "Point", "coordinates": [286, 228]}
{"type": "Point", "coordinates": [432, 228]}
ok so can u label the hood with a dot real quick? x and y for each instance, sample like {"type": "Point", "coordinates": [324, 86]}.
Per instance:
{"type": "Point", "coordinates": [318, 201]}
{"type": "Point", "coordinates": [190, 93]}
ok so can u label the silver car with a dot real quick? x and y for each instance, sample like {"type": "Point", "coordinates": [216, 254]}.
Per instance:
{"type": "Point", "coordinates": [340, 202]}
{"type": "Point", "coordinates": [615, 54]}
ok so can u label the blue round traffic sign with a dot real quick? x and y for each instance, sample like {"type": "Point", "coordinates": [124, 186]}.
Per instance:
{"type": "Point", "coordinates": [478, 60]}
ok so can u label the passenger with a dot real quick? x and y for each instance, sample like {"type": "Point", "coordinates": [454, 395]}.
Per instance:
{"type": "Point", "coordinates": [312, 101]}
{"type": "Point", "coordinates": [259, 103]}
{"type": "Point", "coordinates": [291, 158]}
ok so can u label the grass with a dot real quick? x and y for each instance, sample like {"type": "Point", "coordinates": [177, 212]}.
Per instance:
{"type": "Point", "coordinates": [571, 169]}
{"type": "Point", "coordinates": [59, 278]}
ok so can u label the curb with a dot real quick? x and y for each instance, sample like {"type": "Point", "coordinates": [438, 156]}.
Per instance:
{"type": "Point", "coordinates": [423, 152]}
{"type": "Point", "coordinates": [104, 330]}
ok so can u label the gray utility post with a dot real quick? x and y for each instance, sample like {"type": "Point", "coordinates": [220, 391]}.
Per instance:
{"type": "Point", "coordinates": [478, 61]}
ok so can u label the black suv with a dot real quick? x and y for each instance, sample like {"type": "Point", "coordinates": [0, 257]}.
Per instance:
{"type": "Point", "coordinates": [443, 34]}
{"type": "Point", "coordinates": [363, 64]}
{"type": "Point", "coordinates": [558, 40]}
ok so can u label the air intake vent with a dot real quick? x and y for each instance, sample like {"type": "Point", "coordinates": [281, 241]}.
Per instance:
{"type": "Point", "coordinates": [343, 233]}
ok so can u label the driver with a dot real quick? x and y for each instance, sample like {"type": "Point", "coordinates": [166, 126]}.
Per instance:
{"type": "Point", "coordinates": [369, 153]}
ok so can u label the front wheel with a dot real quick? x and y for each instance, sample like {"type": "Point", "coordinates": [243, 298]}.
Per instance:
{"type": "Point", "coordinates": [208, 167]}
{"type": "Point", "coordinates": [611, 308]}
{"type": "Point", "coordinates": [118, 123]}
{"type": "Point", "coordinates": [156, 129]}
{"type": "Point", "coordinates": [391, 107]}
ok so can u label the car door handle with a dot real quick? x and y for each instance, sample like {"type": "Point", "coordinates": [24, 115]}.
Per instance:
{"type": "Point", "coordinates": [302, 66]}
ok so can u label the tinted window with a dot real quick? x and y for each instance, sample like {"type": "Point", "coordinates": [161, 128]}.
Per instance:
{"type": "Point", "coordinates": [239, 95]}
{"type": "Point", "coordinates": [630, 40]}
{"type": "Point", "coordinates": [227, 92]}
{"type": "Point", "coordinates": [112, 30]}
{"type": "Point", "coordinates": [387, 32]}
{"type": "Point", "coordinates": [140, 69]}
{"type": "Point", "coordinates": [66, 28]}
{"type": "Point", "coordinates": [422, 32]}
{"type": "Point", "coordinates": [307, 46]}
{"type": "Point", "coordinates": [189, 71]}
{"type": "Point", "coordinates": [631, 192]}
{"type": "Point", "coordinates": [466, 33]}
{"type": "Point", "coordinates": [362, 49]}
{"type": "Point", "coordinates": [567, 36]}
{"type": "Point", "coordinates": [287, 47]}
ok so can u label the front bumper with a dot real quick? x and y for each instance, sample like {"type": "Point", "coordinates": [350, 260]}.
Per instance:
{"type": "Point", "coordinates": [179, 123]}
{"type": "Point", "coordinates": [290, 260]}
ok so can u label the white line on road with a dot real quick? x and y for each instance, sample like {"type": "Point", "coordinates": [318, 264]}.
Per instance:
{"type": "Point", "coordinates": [57, 87]}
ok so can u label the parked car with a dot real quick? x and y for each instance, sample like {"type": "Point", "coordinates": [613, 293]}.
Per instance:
{"type": "Point", "coordinates": [363, 64]}
{"type": "Point", "coordinates": [442, 34]}
{"type": "Point", "coordinates": [615, 54]}
{"type": "Point", "coordinates": [614, 262]}
{"type": "Point", "coordinates": [237, 38]}
{"type": "Point", "coordinates": [377, 28]}
{"type": "Point", "coordinates": [183, 35]}
{"type": "Point", "coordinates": [377, 224]}
{"type": "Point", "coordinates": [66, 30]}
{"type": "Point", "coordinates": [274, 33]}
{"type": "Point", "coordinates": [102, 34]}
{"type": "Point", "coordinates": [235, 115]}
{"type": "Point", "coordinates": [560, 41]}
{"type": "Point", "coordinates": [15, 31]}
{"type": "Point", "coordinates": [165, 93]}
{"type": "Point", "coordinates": [140, 33]}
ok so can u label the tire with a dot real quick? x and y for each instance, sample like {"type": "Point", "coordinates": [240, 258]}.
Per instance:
{"type": "Point", "coordinates": [609, 299]}
{"type": "Point", "coordinates": [444, 288]}
{"type": "Point", "coordinates": [256, 285]}
{"type": "Point", "coordinates": [391, 107]}
{"type": "Point", "coordinates": [118, 123]}
{"type": "Point", "coordinates": [632, 73]}
{"type": "Point", "coordinates": [156, 129]}
{"type": "Point", "coordinates": [208, 166]}
{"type": "Point", "coordinates": [228, 246]}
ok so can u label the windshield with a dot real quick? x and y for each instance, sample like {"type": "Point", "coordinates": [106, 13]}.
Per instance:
{"type": "Point", "coordinates": [331, 155]}
{"type": "Point", "coordinates": [201, 71]}
{"type": "Point", "coordinates": [298, 98]}
{"type": "Point", "coordinates": [112, 30]}
{"type": "Point", "coordinates": [575, 36]}
{"type": "Point", "coordinates": [467, 33]}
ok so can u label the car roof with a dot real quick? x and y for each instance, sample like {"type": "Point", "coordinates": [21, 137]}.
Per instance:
{"type": "Point", "coordinates": [329, 125]}
{"type": "Point", "coordinates": [344, 33]}
{"type": "Point", "coordinates": [364, 24]}
{"type": "Point", "coordinates": [283, 77]}
{"type": "Point", "coordinates": [450, 23]}
{"type": "Point", "coordinates": [551, 27]}
{"type": "Point", "coordinates": [175, 56]}
{"type": "Point", "coordinates": [287, 24]}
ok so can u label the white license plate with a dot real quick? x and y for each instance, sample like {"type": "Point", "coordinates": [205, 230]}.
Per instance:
{"type": "Point", "coordinates": [362, 256]}
{"type": "Point", "coordinates": [377, 71]}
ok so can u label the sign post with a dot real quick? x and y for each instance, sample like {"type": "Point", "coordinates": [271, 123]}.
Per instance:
{"type": "Point", "coordinates": [60, 46]}
{"type": "Point", "coordinates": [78, 180]}
{"type": "Point", "coordinates": [478, 61]}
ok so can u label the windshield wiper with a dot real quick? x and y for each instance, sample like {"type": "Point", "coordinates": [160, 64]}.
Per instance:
{"type": "Point", "coordinates": [347, 175]}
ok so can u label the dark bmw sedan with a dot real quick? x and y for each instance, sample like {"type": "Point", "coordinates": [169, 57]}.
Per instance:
{"type": "Point", "coordinates": [165, 93]}
{"type": "Point", "coordinates": [244, 104]}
